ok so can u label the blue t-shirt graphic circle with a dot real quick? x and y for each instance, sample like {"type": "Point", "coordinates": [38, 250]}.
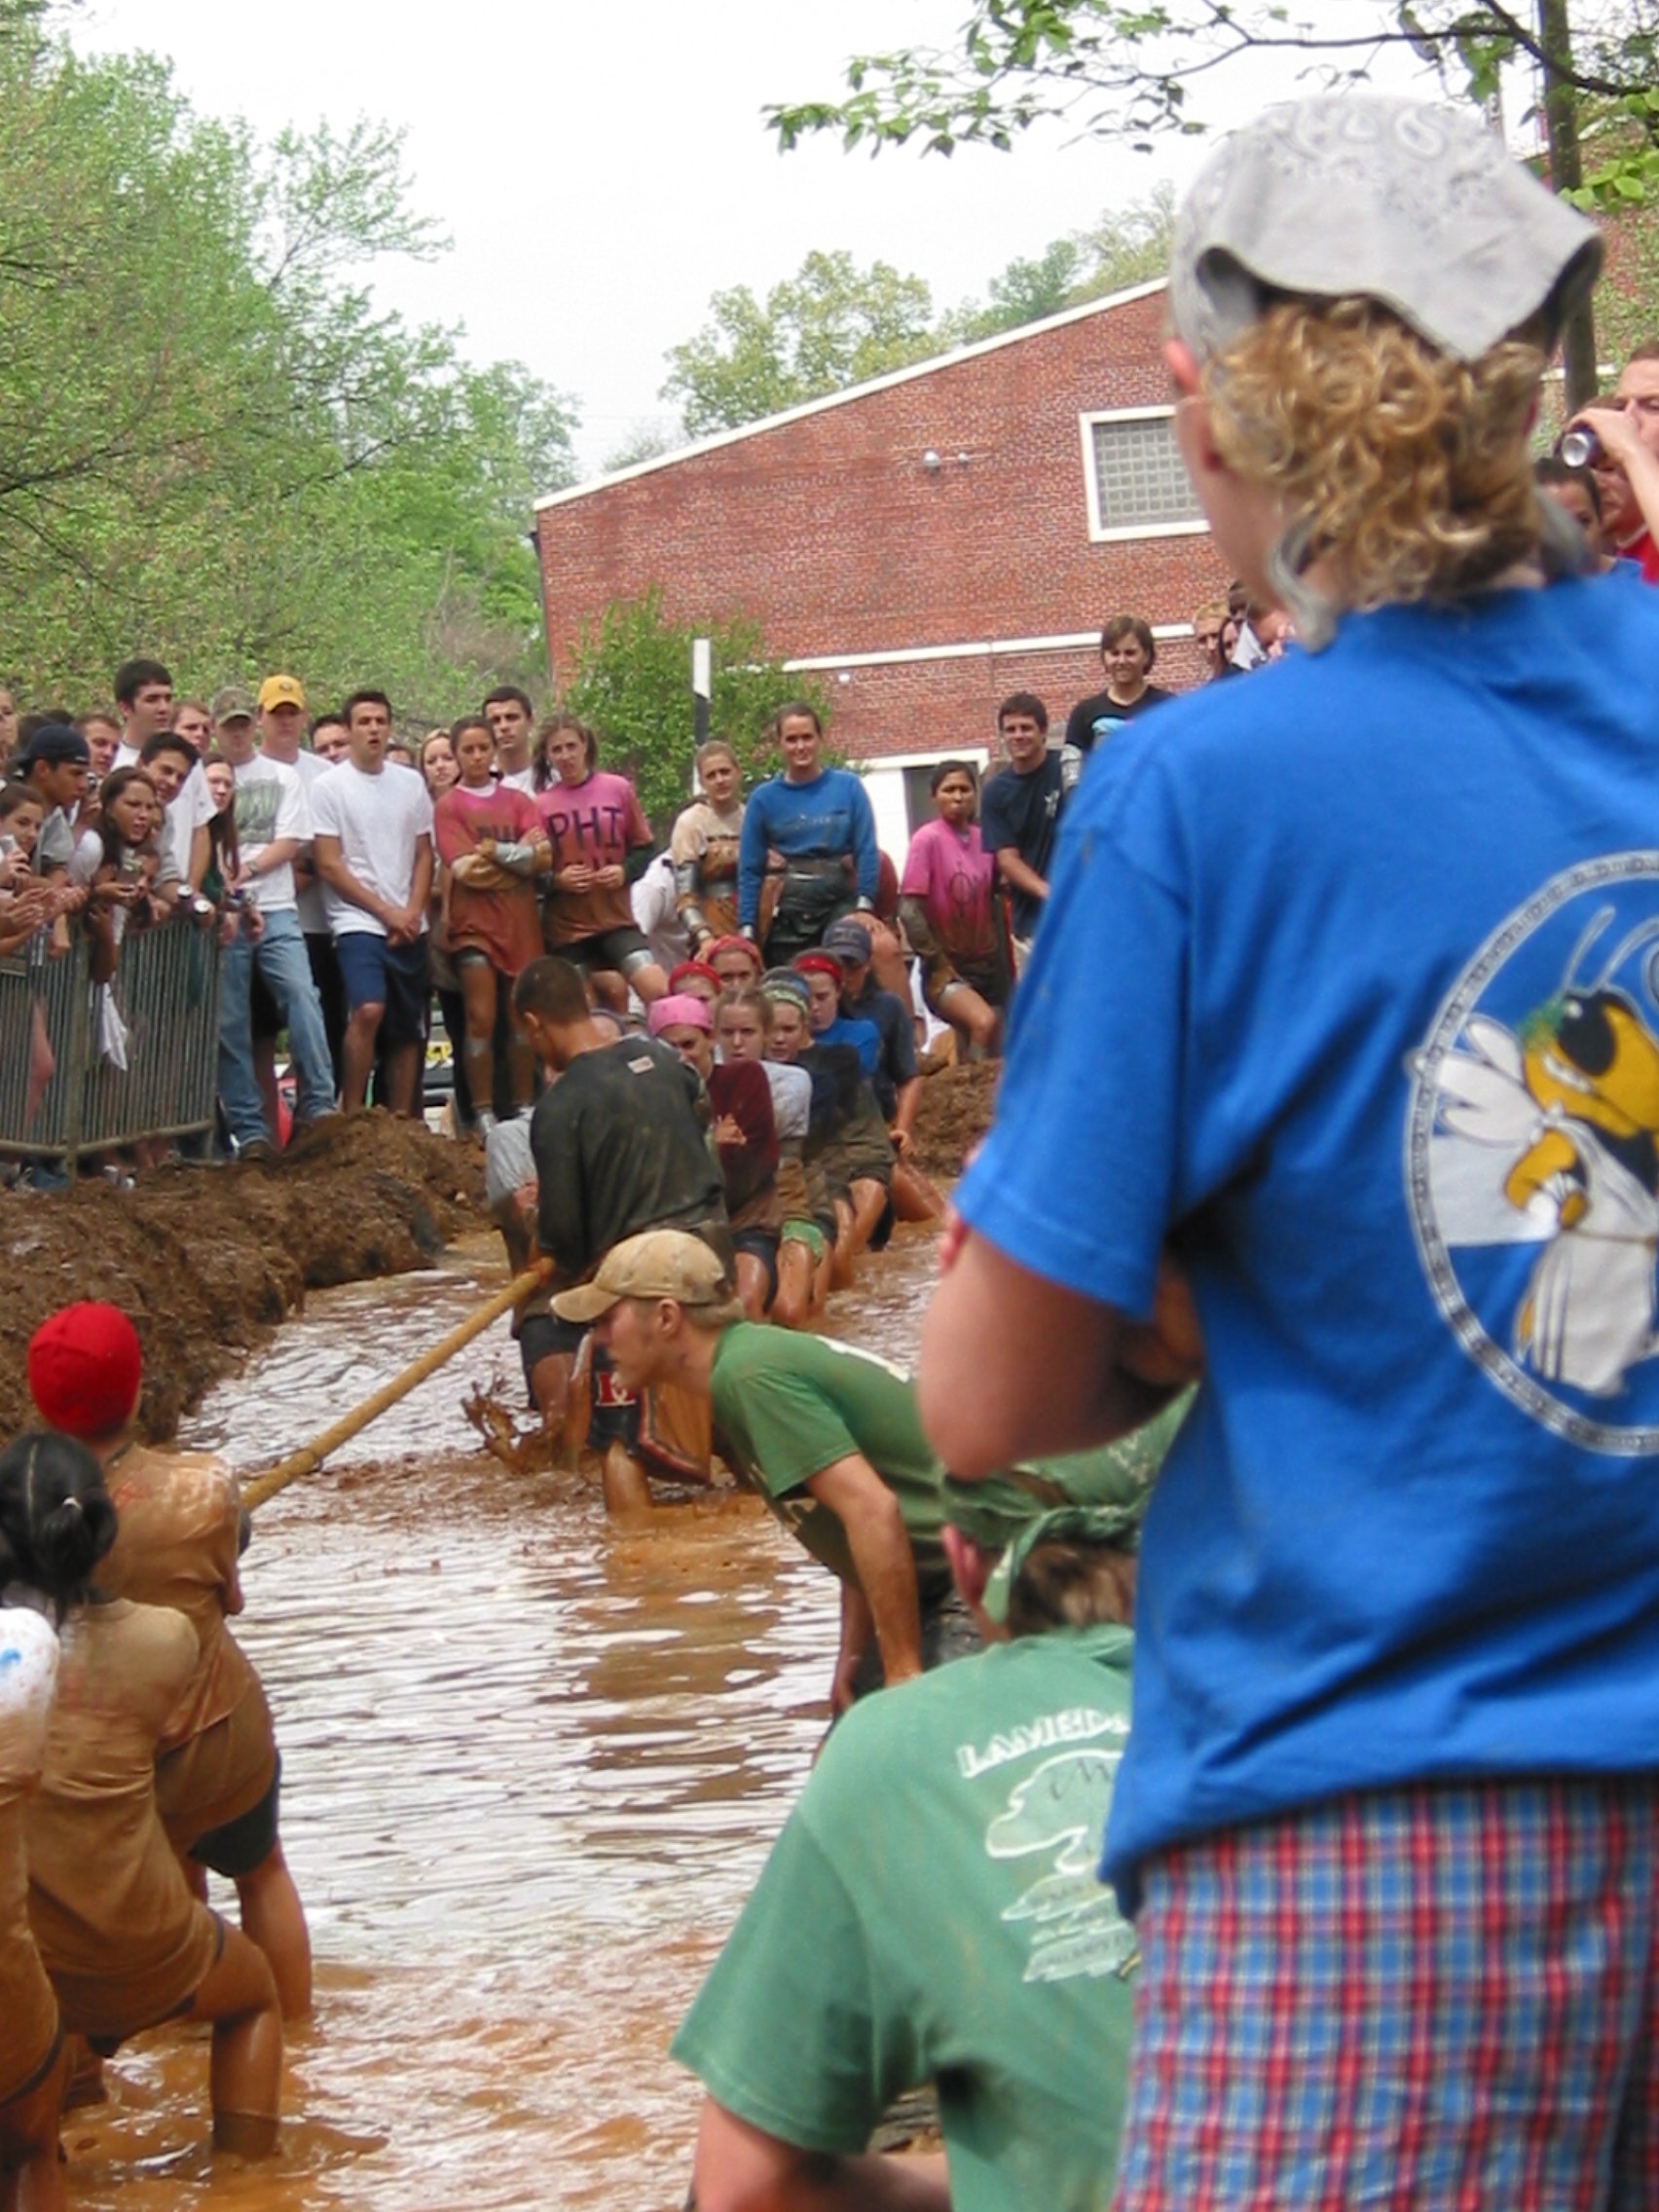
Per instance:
{"type": "Point", "coordinates": [1533, 1155]}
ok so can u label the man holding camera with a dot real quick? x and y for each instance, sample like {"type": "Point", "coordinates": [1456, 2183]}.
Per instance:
{"type": "Point", "coordinates": [1626, 461]}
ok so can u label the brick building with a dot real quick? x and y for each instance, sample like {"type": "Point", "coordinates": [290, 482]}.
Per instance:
{"type": "Point", "coordinates": [924, 544]}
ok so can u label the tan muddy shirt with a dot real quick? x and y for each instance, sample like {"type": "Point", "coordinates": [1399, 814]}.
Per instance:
{"type": "Point", "coordinates": [125, 1942]}
{"type": "Point", "coordinates": [178, 1544]}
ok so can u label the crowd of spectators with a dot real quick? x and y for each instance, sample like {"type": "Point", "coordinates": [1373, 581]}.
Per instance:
{"type": "Point", "coordinates": [360, 884]}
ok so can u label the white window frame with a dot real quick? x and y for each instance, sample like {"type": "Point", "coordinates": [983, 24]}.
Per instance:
{"type": "Point", "coordinates": [1194, 528]}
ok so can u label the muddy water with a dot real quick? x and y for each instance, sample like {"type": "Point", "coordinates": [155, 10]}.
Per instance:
{"type": "Point", "coordinates": [531, 1770]}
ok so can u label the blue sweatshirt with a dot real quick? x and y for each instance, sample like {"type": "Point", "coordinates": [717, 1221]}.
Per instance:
{"type": "Point", "coordinates": [821, 820]}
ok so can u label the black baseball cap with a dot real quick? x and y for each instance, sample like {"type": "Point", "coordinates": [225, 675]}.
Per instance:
{"type": "Point", "coordinates": [56, 744]}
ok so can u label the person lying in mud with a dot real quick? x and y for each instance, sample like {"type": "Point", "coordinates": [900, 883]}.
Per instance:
{"type": "Point", "coordinates": [743, 1131]}
{"type": "Point", "coordinates": [180, 1536]}
{"type": "Point", "coordinates": [123, 1940]}
{"type": "Point", "coordinates": [615, 1147]}
{"type": "Point", "coordinates": [827, 1434]}
{"type": "Point", "coordinates": [931, 1911]}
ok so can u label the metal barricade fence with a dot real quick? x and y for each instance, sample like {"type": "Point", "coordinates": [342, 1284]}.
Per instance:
{"type": "Point", "coordinates": [84, 1066]}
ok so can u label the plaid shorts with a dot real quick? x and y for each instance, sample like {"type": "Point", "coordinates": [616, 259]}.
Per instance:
{"type": "Point", "coordinates": [1440, 1997]}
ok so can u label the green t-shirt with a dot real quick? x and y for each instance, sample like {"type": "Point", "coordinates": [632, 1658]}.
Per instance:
{"type": "Point", "coordinates": [786, 1406]}
{"type": "Point", "coordinates": [933, 1910]}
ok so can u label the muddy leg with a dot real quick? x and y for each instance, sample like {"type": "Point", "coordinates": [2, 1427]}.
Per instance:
{"type": "Point", "coordinates": [274, 1918]}
{"type": "Point", "coordinates": [245, 2073]}
{"type": "Point", "coordinates": [752, 1284]}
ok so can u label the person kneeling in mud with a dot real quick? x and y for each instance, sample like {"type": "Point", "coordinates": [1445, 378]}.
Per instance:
{"type": "Point", "coordinates": [857, 1155]}
{"type": "Point", "coordinates": [125, 1943]}
{"type": "Point", "coordinates": [931, 1911]}
{"type": "Point", "coordinates": [742, 1134]}
{"type": "Point", "coordinates": [827, 1435]}
{"type": "Point", "coordinates": [180, 1536]}
{"type": "Point", "coordinates": [615, 1147]}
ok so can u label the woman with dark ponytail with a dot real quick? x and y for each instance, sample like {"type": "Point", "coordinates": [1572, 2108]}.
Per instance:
{"type": "Point", "coordinates": [125, 1943]}
{"type": "Point", "coordinates": [32, 2065]}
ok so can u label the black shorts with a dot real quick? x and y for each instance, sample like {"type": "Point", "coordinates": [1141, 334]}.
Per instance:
{"type": "Point", "coordinates": [948, 1633]}
{"type": "Point", "coordinates": [944, 971]}
{"type": "Point", "coordinates": [760, 1245]}
{"type": "Point", "coordinates": [615, 1414]}
{"type": "Point", "coordinates": [542, 1334]}
{"type": "Point", "coordinates": [241, 1845]}
{"type": "Point", "coordinates": [625, 950]}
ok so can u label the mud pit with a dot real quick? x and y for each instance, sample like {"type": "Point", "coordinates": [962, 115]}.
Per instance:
{"type": "Point", "coordinates": [206, 1260]}
{"type": "Point", "coordinates": [532, 1768]}
{"type": "Point", "coordinates": [954, 1114]}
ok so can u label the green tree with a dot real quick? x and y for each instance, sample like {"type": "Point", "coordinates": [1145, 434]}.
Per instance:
{"type": "Point", "coordinates": [1126, 247]}
{"type": "Point", "coordinates": [1127, 71]}
{"type": "Point", "coordinates": [642, 441]}
{"type": "Point", "coordinates": [211, 445]}
{"type": "Point", "coordinates": [629, 679]}
{"type": "Point", "coordinates": [831, 325]}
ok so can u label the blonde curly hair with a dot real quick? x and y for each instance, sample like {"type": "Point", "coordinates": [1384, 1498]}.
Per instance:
{"type": "Point", "coordinates": [1405, 472]}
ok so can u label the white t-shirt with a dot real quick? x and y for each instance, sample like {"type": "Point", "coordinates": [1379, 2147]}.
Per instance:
{"type": "Point", "coordinates": [656, 914]}
{"type": "Point", "coordinates": [380, 822]}
{"type": "Point", "coordinates": [313, 899]}
{"type": "Point", "coordinates": [791, 1099]}
{"type": "Point", "coordinates": [521, 780]}
{"type": "Point", "coordinates": [180, 820]}
{"type": "Point", "coordinates": [270, 803]}
{"type": "Point", "coordinates": [28, 1679]}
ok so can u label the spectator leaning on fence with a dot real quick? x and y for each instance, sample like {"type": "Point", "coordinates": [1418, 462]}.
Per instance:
{"type": "Point", "coordinates": [272, 823]}
{"type": "Point", "coordinates": [55, 765]}
{"type": "Point", "coordinates": [102, 733]}
{"type": "Point", "coordinates": [373, 850]}
{"type": "Point", "coordinates": [168, 761]}
{"type": "Point", "coordinates": [144, 699]}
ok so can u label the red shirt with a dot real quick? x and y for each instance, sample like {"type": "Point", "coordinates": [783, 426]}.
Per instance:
{"type": "Point", "coordinates": [1643, 550]}
{"type": "Point", "coordinates": [502, 925]}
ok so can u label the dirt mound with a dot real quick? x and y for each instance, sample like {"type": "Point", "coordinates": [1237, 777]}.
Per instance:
{"type": "Point", "coordinates": [206, 1259]}
{"type": "Point", "coordinates": [955, 1112]}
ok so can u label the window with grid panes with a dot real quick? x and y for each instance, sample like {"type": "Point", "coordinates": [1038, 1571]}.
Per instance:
{"type": "Point", "coordinates": [1139, 478]}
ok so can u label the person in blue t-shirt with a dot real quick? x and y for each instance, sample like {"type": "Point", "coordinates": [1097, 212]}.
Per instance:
{"type": "Point", "coordinates": [1346, 1004]}
{"type": "Point", "coordinates": [808, 850]}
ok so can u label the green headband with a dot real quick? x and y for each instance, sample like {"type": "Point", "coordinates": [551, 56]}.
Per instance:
{"type": "Point", "coordinates": [1113, 1482]}
{"type": "Point", "coordinates": [1102, 1527]}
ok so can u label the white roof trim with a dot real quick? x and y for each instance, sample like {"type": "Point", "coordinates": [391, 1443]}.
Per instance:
{"type": "Point", "coordinates": [896, 657]}
{"type": "Point", "coordinates": [929, 367]}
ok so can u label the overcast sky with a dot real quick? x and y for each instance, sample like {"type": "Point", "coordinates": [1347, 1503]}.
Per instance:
{"type": "Point", "coordinates": [602, 173]}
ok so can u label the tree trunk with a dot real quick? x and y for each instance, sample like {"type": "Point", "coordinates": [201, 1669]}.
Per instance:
{"type": "Point", "coordinates": [1566, 174]}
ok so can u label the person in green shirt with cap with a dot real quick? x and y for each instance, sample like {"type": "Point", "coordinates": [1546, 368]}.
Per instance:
{"type": "Point", "coordinates": [933, 1910]}
{"type": "Point", "coordinates": [829, 1436]}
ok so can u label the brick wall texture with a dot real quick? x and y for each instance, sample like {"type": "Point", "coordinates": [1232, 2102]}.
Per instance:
{"type": "Point", "coordinates": [831, 532]}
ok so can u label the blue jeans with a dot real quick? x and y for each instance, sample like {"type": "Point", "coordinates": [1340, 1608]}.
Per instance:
{"type": "Point", "coordinates": [286, 967]}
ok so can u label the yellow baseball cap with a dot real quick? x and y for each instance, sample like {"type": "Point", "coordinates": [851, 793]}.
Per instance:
{"type": "Point", "coordinates": [281, 691]}
{"type": "Point", "coordinates": [659, 1262]}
